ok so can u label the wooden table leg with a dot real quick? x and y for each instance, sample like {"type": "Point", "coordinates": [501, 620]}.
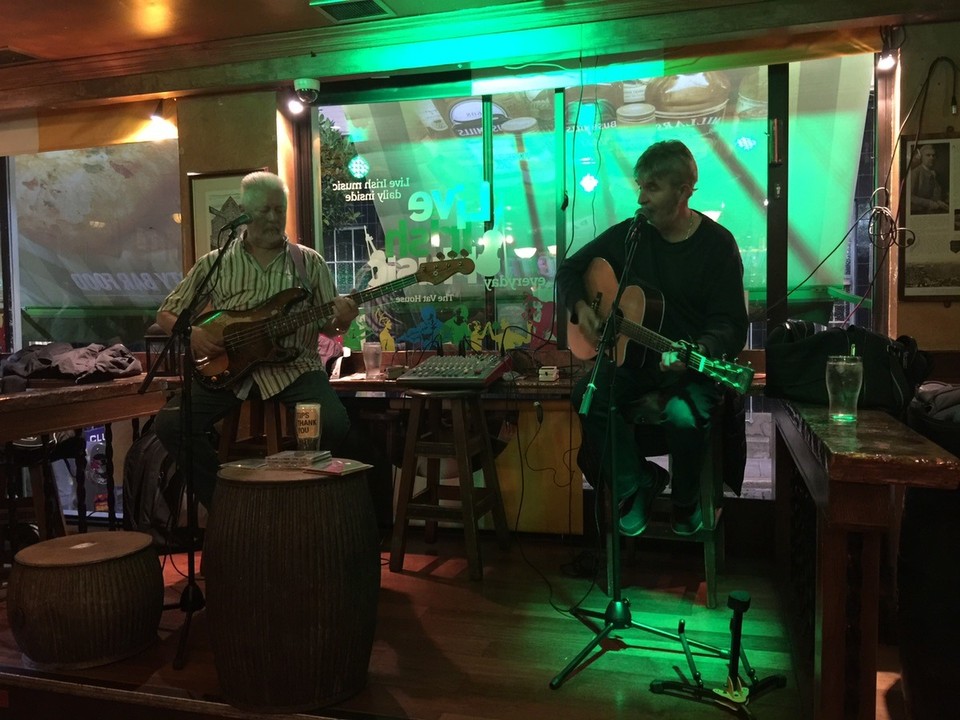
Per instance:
{"type": "Point", "coordinates": [848, 614]}
{"type": "Point", "coordinates": [830, 643]}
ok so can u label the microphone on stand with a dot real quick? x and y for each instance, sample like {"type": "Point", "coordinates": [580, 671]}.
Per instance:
{"type": "Point", "coordinates": [636, 227]}
{"type": "Point", "coordinates": [237, 221]}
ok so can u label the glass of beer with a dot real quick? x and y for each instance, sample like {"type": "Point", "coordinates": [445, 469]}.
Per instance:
{"type": "Point", "coordinates": [844, 378]}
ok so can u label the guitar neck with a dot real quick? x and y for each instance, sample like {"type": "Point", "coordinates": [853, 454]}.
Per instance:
{"type": "Point", "coordinates": [732, 375]}
{"type": "Point", "coordinates": [643, 335]}
{"type": "Point", "coordinates": [324, 313]}
{"type": "Point", "coordinates": [655, 341]}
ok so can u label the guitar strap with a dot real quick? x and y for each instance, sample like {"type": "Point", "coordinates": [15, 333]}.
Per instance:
{"type": "Point", "coordinates": [296, 254]}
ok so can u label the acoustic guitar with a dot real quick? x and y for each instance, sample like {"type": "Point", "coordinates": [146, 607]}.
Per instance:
{"type": "Point", "coordinates": [250, 337]}
{"type": "Point", "coordinates": [640, 318]}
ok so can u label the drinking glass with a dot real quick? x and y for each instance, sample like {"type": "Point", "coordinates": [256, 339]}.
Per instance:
{"type": "Point", "coordinates": [371, 359]}
{"type": "Point", "coordinates": [844, 377]}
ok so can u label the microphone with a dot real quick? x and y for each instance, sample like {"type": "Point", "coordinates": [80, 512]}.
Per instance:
{"type": "Point", "coordinates": [639, 220]}
{"type": "Point", "coordinates": [239, 220]}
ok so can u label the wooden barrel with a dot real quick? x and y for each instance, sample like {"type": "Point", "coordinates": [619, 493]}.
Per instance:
{"type": "Point", "coordinates": [85, 600]}
{"type": "Point", "coordinates": [292, 571]}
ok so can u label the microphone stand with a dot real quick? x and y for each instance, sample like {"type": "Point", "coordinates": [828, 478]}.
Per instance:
{"type": "Point", "coordinates": [191, 599]}
{"type": "Point", "coordinates": [617, 614]}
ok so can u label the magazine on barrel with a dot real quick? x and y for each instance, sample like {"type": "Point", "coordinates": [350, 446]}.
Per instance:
{"type": "Point", "coordinates": [327, 465]}
{"type": "Point", "coordinates": [338, 466]}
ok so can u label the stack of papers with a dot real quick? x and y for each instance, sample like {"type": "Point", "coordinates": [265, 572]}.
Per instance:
{"type": "Point", "coordinates": [297, 458]}
{"type": "Point", "coordinates": [316, 462]}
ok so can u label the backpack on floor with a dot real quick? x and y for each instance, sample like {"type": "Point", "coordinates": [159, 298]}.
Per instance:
{"type": "Point", "coordinates": [152, 493]}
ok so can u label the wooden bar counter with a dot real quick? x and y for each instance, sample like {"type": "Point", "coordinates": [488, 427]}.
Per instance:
{"type": "Point", "coordinates": [52, 409]}
{"type": "Point", "coordinates": [835, 499]}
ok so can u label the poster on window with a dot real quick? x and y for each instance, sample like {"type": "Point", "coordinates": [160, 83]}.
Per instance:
{"type": "Point", "coordinates": [930, 256]}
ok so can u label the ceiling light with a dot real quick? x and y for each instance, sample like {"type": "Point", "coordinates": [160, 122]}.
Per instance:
{"type": "Point", "coordinates": [295, 106]}
{"type": "Point", "coordinates": [888, 54]}
{"type": "Point", "coordinates": [887, 61]}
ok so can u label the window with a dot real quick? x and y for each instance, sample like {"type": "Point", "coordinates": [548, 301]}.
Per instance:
{"type": "Point", "coordinates": [99, 240]}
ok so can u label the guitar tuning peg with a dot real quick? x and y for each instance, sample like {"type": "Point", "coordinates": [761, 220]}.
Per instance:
{"type": "Point", "coordinates": [463, 252]}
{"type": "Point", "coordinates": [452, 254]}
{"type": "Point", "coordinates": [439, 256]}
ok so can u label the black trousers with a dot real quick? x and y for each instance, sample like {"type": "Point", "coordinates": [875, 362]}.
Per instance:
{"type": "Point", "coordinates": [681, 403]}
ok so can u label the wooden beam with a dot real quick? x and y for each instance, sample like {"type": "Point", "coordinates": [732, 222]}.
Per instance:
{"type": "Point", "coordinates": [571, 31]}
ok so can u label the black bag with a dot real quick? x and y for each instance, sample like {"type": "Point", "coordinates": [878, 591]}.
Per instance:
{"type": "Point", "coordinates": [934, 412]}
{"type": "Point", "coordinates": [797, 354]}
{"type": "Point", "coordinates": [152, 493]}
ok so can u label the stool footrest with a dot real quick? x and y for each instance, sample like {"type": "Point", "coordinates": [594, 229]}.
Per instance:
{"type": "Point", "coordinates": [434, 512]}
{"type": "Point", "coordinates": [446, 449]}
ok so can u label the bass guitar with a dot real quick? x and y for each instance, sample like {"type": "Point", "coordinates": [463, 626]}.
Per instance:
{"type": "Point", "coordinates": [250, 337]}
{"type": "Point", "coordinates": [640, 318]}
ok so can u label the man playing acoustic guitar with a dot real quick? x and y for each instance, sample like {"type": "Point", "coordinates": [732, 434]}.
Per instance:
{"type": "Point", "coordinates": [694, 263]}
{"type": "Point", "coordinates": [254, 269]}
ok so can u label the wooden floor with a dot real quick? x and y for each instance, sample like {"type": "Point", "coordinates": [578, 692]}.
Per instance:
{"type": "Point", "coordinates": [448, 648]}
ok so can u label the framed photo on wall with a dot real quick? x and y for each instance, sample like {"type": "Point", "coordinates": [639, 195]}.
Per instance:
{"type": "Point", "coordinates": [930, 252]}
{"type": "Point", "coordinates": [214, 202]}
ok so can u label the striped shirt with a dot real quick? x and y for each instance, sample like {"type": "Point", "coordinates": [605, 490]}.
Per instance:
{"type": "Point", "coordinates": [242, 284]}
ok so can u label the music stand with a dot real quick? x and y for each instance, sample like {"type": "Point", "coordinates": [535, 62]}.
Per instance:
{"type": "Point", "coordinates": [191, 599]}
{"type": "Point", "coordinates": [617, 614]}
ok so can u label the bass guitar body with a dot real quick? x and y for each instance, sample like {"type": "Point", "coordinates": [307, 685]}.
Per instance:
{"type": "Point", "coordinates": [249, 338]}
{"type": "Point", "coordinates": [643, 306]}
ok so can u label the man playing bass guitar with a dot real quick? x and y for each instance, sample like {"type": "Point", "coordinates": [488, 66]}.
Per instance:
{"type": "Point", "coordinates": [260, 264]}
{"type": "Point", "coordinates": [695, 264]}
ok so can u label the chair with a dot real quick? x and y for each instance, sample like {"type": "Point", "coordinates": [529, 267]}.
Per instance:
{"type": "Point", "coordinates": [724, 458]}
{"type": "Point", "coordinates": [463, 439]}
{"type": "Point", "coordinates": [266, 430]}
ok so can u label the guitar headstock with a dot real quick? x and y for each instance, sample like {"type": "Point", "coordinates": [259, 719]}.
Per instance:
{"type": "Point", "coordinates": [445, 267]}
{"type": "Point", "coordinates": [736, 377]}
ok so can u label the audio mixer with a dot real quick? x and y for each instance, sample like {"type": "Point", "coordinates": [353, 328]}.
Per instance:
{"type": "Point", "coordinates": [454, 372]}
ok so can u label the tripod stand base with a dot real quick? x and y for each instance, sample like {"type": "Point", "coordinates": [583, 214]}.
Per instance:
{"type": "Point", "coordinates": [617, 617]}
{"type": "Point", "coordinates": [736, 703]}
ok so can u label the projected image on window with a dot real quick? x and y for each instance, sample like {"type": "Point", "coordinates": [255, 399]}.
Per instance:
{"type": "Point", "coordinates": [424, 185]}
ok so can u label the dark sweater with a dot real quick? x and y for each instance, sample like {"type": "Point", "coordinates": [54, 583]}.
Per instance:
{"type": "Point", "coordinates": [701, 280]}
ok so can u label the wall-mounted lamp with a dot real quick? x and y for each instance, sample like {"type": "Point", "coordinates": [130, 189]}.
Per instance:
{"type": "Point", "coordinates": [892, 37]}
{"type": "Point", "coordinates": [295, 106]}
{"type": "Point", "coordinates": [157, 114]}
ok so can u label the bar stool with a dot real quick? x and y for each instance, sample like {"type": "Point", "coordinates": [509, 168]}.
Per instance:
{"type": "Point", "coordinates": [37, 459]}
{"type": "Point", "coordinates": [726, 430]}
{"type": "Point", "coordinates": [465, 438]}
{"type": "Point", "coordinates": [266, 434]}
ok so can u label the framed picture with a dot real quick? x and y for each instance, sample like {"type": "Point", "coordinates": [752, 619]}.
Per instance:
{"type": "Point", "coordinates": [214, 202]}
{"type": "Point", "coordinates": [930, 253]}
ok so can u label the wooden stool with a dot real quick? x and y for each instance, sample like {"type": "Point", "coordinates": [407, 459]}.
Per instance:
{"type": "Point", "coordinates": [465, 439]}
{"type": "Point", "coordinates": [266, 430]}
{"type": "Point", "coordinates": [85, 600]}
